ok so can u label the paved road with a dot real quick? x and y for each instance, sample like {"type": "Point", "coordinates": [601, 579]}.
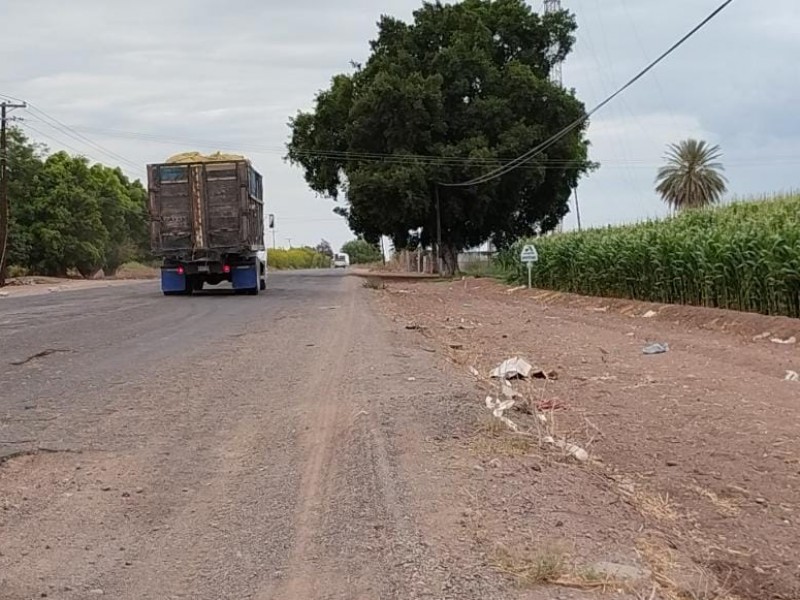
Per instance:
{"type": "Point", "coordinates": [216, 447]}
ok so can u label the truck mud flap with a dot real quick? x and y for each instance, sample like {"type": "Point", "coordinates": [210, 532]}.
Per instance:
{"type": "Point", "coordinates": [173, 282]}
{"type": "Point", "coordinates": [245, 277]}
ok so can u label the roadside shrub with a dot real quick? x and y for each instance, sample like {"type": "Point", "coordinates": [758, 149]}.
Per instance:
{"type": "Point", "coordinates": [297, 258]}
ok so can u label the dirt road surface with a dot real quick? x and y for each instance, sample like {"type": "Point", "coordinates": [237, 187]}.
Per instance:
{"type": "Point", "coordinates": [223, 447]}
{"type": "Point", "coordinates": [326, 441]}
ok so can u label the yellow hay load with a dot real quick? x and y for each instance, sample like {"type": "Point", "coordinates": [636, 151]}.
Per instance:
{"type": "Point", "coordinates": [198, 157]}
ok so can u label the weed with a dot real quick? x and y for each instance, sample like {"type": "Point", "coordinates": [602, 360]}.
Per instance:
{"type": "Point", "coordinates": [494, 439]}
{"type": "Point", "coordinates": [374, 283]}
{"type": "Point", "coordinates": [548, 565]}
{"type": "Point", "coordinates": [725, 506]}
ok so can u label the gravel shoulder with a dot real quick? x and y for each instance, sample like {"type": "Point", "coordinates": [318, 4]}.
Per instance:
{"type": "Point", "coordinates": [695, 455]}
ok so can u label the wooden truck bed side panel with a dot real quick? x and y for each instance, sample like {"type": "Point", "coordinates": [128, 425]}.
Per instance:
{"type": "Point", "coordinates": [205, 206]}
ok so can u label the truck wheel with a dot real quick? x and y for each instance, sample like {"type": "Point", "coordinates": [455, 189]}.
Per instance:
{"type": "Point", "coordinates": [197, 283]}
{"type": "Point", "coordinates": [262, 284]}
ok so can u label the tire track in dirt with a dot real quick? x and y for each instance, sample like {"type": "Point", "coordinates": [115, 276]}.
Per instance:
{"type": "Point", "coordinates": [323, 394]}
{"type": "Point", "coordinates": [363, 534]}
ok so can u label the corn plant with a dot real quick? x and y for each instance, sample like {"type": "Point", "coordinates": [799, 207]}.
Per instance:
{"type": "Point", "coordinates": [745, 256]}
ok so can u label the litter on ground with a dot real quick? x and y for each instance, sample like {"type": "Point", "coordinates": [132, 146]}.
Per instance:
{"type": "Point", "coordinates": [498, 408]}
{"type": "Point", "coordinates": [786, 342]}
{"type": "Point", "coordinates": [517, 368]}
{"type": "Point", "coordinates": [792, 376]}
{"type": "Point", "coordinates": [513, 368]}
{"type": "Point", "coordinates": [572, 450]}
{"type": "Point", "coordinates": [656, 349]}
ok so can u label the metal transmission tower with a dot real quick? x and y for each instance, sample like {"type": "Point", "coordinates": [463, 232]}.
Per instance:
{"type": "Point", "coordinates": [556, 76]}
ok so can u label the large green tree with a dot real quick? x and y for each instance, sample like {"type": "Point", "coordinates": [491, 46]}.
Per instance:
{"type": "Point", "coordinates": [24, 171]}
{"type": "Point", "coordinates": [692, 177]}
{"type": "Point", "coordinates": [67, 214]}
{"type": "Point", "coordinates": [444, 99]}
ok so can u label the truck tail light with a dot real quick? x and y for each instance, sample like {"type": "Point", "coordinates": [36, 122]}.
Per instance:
{"type": "Point", "coordinates": [180, 270]}
{"type": "Point", "coordinates": [226, 269]}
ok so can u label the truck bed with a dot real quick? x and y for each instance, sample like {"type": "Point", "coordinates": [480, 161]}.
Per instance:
{"type": "Point", "coordinates": [206, 208]}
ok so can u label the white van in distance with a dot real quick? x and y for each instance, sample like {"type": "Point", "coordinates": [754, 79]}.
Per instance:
{"type": "Point", "coordinates": [341, 260]}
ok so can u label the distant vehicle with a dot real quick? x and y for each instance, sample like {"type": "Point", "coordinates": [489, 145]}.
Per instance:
{"type": "Point", "coordinates": [341, 260]}
{"type": "Point", "coordinates": [207, 223]}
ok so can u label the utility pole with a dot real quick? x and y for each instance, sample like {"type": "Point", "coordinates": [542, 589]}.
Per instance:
{"type": "Point", "coordinates": [5, 213]}
{"type": "Point", "coordinates": [577, 208]}
{"type": "Point", "coordinates": [438, 230]}
{"type": "Point", "coordinates": [290, 242]}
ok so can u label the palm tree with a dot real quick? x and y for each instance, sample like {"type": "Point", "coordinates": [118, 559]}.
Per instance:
{"type": "Point", "coordinates": [692, 177]}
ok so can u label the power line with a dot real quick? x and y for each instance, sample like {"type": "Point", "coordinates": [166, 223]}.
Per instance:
{"type": "Point", "coordinates": [74, 135]}
{"type": "Point", "coordinates": [332, 154]}
{"type": "Point", "coordinates": [46, 136]}
{"type": "Point", "coordinates": [517, 162]}
{"type": "Point", "coordinates": [70, 132]}
{"type": "Point", "coordinates": [615, 162]}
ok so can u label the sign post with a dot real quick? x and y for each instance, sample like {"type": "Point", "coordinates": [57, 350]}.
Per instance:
{"type": "Point", "coordinates": [529, 255]}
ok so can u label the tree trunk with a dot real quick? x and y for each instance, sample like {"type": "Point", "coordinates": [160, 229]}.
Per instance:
{"type": "Point", "coordinates": [449, 260]}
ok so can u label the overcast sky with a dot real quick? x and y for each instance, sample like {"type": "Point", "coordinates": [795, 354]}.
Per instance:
{"type": "Point", "coordinates": [200, 74]}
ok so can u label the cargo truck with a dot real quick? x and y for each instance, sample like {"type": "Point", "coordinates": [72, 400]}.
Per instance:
{"type": "Point", "coordinates": [207, 223]}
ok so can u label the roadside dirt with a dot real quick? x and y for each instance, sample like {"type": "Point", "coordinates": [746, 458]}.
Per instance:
{"type": "Point", "coordinates": [695, 452]}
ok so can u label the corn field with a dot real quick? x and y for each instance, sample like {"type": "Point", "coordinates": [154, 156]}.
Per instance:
{"type": "Point", "coordinates": [745, 256]}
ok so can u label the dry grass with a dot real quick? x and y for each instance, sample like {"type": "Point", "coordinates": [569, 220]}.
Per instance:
{"type": "Point", "coordinates": [649, 504]}
{"type": "Point", "coordinates": [666, 567]}
{"type": "Point", "coordinates": [726, 506]}
{"type": "Point", "coordinates": [494, 439]}
{"type": "Point", "coordinates": [550, 565]}
{"type": "Point", "coordinates": [657, 506]}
